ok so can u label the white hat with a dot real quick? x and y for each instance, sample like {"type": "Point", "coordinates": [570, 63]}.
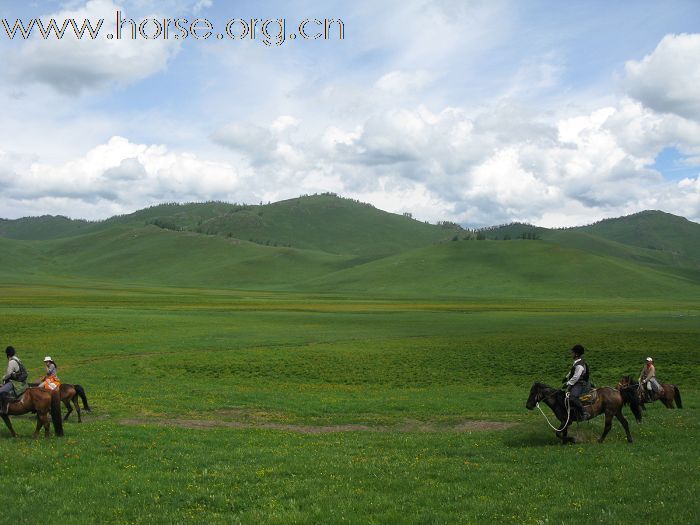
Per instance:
{"type": "Point", "coordinates": [47, 358]}
{"type": "Point", "coordinates": [649, 359]}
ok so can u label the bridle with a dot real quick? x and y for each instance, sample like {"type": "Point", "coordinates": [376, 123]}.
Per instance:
{"type": "Point", "coordinates": [567, 403]}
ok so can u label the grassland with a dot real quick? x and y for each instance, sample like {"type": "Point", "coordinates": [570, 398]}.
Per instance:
{"type": "Point", "coordinates": [321, 361]}
{"type": "Point", "coordinates": [234, 393]}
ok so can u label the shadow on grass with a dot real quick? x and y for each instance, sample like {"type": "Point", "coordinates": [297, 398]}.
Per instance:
{"type": "Point", "coordinates": [531, 438]}
{"type": "Point", "coordinates": [542, 436]}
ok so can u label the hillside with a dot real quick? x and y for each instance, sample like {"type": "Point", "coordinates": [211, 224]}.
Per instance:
{"type": "Point", "coordinates": [42, 228]}
{"type": "Point", "coordinates": [651, 238]}
{"type": "Point", "coordinates": [653, 230]}
{"type": "Point", "coordinates": [329, 224]}
{"type": "Point", "coordinates": [153, 256]}
{"type": "Point", "coordinates": [527, 269]}
{"type": "Point", "coordinates": [323, 243]}
{"type": "Point", "coordinates": [319, 222]}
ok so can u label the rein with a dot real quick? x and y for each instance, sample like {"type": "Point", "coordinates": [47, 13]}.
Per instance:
{"type": "Point", "coordinates": [567, 404]}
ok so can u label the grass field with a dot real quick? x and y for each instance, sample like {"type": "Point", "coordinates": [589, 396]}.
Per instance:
{"type": "Point", "coordinates": [222, 407]}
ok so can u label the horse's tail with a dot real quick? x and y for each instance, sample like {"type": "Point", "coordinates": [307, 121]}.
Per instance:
{"type": "Point", "coordinates": [56, 413]}
{"type": "Point", "coordinates": [629, 395]}
{"type": "Point", "coordinates": [677, 397]}
{"type": "Point", "coordinates": [81, 392]}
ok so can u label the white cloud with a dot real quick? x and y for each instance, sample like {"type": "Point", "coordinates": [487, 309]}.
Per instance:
{"type": "Point", "coordinates": [121, 176]}
{"type": "Point", "coordinates": [72, 65]}
{"type": "Point", "coordinates": [668, 79]}
{"type": "Point", "coordinates": [501, 164]}
{"type": "Point", "coordinates": [403, 82]}
{"type": "Point", "coordinates": [201, 5]}
{"type": "Point", "coordinates": [385, 138]}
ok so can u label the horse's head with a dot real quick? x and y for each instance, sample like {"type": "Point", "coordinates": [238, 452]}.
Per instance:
{"type": "Point", "coordinates": [624, 382]}
{"type": "Point", "coordinates": [536, 395]}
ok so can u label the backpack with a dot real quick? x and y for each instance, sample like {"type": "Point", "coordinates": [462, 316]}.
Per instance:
{"type": "Point", "coordinates": [21, 375]}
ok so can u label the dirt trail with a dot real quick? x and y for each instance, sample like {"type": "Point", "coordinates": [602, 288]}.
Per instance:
{"type": "Point", "coordinates": [407, 426]}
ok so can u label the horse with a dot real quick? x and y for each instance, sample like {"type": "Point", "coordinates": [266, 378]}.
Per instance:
{"type": "Point", "coordinates": [668, 394]}
{"type": "Point", "coordinates": [40, 401]}
{"type": "Point", "coordinates": [609, 401]}
{"type": "Point", "coordinates": [70, 393]}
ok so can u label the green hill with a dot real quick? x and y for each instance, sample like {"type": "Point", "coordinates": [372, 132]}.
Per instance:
{"type": "Point", "coordinates": [327, 223]}
{"type": "Point", "coordinates": [320, 222]}
{"type": "Point", "coordinates": [527, 269]}
{"type": "Point", "coordinates": [154, 256]}
{"type": "Point", "coordinates": [324, 243]}
{"type": "Point", "coordinates": [41, 228]}
{"type": "Point", "coordinates": [651, 238]}
{"type": "Point", "coordinates": [653, 230]}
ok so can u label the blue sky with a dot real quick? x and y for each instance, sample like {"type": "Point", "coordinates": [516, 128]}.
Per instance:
{"type": "Point", "coordinates": [480, 112]}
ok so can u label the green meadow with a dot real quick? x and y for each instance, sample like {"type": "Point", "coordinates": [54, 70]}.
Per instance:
{"type": "Point", "coordinates": [232, 380]}
{"type": "Point", "coordinates": [283, 408]}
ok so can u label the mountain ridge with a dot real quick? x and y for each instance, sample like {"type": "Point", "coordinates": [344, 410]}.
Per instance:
{"type": "Point", "coordinates": [327, 244]}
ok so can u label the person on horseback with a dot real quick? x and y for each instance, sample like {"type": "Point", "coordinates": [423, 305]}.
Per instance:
{"type": "Point", "coordinates": [647, 379]}
{"type": "Point", "coordinates": [14, 381]}
{"type": "Point", "coordinates": [576, 381]}
{"type": "Point", "coordinates": [50, 381]}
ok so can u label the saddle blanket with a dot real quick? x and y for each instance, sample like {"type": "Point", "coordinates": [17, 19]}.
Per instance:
{"type": "Point", "coordinates": [589, 397]}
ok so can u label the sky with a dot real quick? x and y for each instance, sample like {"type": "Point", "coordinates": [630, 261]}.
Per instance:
{"type": "Point", "coordinates": [477, 112]}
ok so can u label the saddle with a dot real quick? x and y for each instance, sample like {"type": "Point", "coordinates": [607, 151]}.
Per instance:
{"type": "Point", "coordinates": [9, 398]}
{"type": "Point", "coordinates": [590, 397]}
{"type": "Point", "coordinates": [649, 396]}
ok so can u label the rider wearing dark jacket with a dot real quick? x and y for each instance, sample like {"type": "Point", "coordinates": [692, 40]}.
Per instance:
{"type": "Point", "coordinates": [576, 381]}
{"type": "Point", "coordinates": [14, 382]}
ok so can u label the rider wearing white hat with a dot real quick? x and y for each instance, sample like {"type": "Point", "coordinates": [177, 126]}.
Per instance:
{"type": "Point", "coordinates": [648, 377]}
{"type": "Point", "coordinates": [50, 381]}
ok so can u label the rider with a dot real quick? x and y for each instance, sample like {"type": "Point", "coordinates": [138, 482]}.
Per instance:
{"type": "Point", "coordinates": [14, 381]}
{"type": "Point", "coordinates": [50, 381]}
{"type": "Point", "coordinates": [647, 379]}
{"type": "Point", "coordinates": [576, 381]}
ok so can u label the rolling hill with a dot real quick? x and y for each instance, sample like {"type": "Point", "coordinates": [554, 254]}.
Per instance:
{"type": "Point", "coordinates": [318, 222]}
{"type": "Point", "coordinates": [327, 244]}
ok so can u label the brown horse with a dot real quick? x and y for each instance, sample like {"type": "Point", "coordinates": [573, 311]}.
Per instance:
{"type": "Point", "coordinates": [70, 394]}
{"type": "Point", "coordinates": [609, 401]}
{"type": "Point", "coordinates": [42, 402]}
{"type": "Point", "coordinates": [668, 394]}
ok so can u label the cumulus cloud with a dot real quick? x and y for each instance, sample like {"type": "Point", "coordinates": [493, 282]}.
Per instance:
{"type": "Point", "coordinates": [667, 79]}
{"type": "Point", "coordinates": [119, 176]}
{"type": "Point", "coordinates": [73, 65]}
{"type": "Point", "coordinates": [498, 164]}
{"type": "Point", "coordinates": [388, 143]}
{"type": "Point", "coordinates": [262, 145]}
{"type": "Point", "coordinates": [446, 165]}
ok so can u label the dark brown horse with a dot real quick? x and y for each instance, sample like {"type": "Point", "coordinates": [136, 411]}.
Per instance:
{"type": "Point", "coordinates": [42, 402]}
{"type": "Point", "coordinates": [668, 395]}
{"type": "Point", "coordinates": [609, 401]}
{"type": "Point", "coordinates": [70, 394]}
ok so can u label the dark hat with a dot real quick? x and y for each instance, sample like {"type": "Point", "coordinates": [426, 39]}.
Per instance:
{"type": "Point", "coordinates": [578, 349]}
{"type": "Point", "coordinates": [10, 351]}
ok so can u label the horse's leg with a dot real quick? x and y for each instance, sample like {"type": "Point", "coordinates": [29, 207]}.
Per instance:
{"type": "Point", "coordinates": [621, 418]}
{"type": "Point", "coordinates": [608, 425]}
{"type": "Point", "coordinates": [77, 408]}
{"type": "Point", "coordinates": [70, 408]}
{"type": "Point", "coordinates": [39, 424]}
{"type": "Point", "coordinates": [666, 400]}
{"type": "Point", "coordinates": [6, 419]}
{"type": "Point", "coordinates": [564, 435]}
{"type": "Point", "coordinates": [47, 426]}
